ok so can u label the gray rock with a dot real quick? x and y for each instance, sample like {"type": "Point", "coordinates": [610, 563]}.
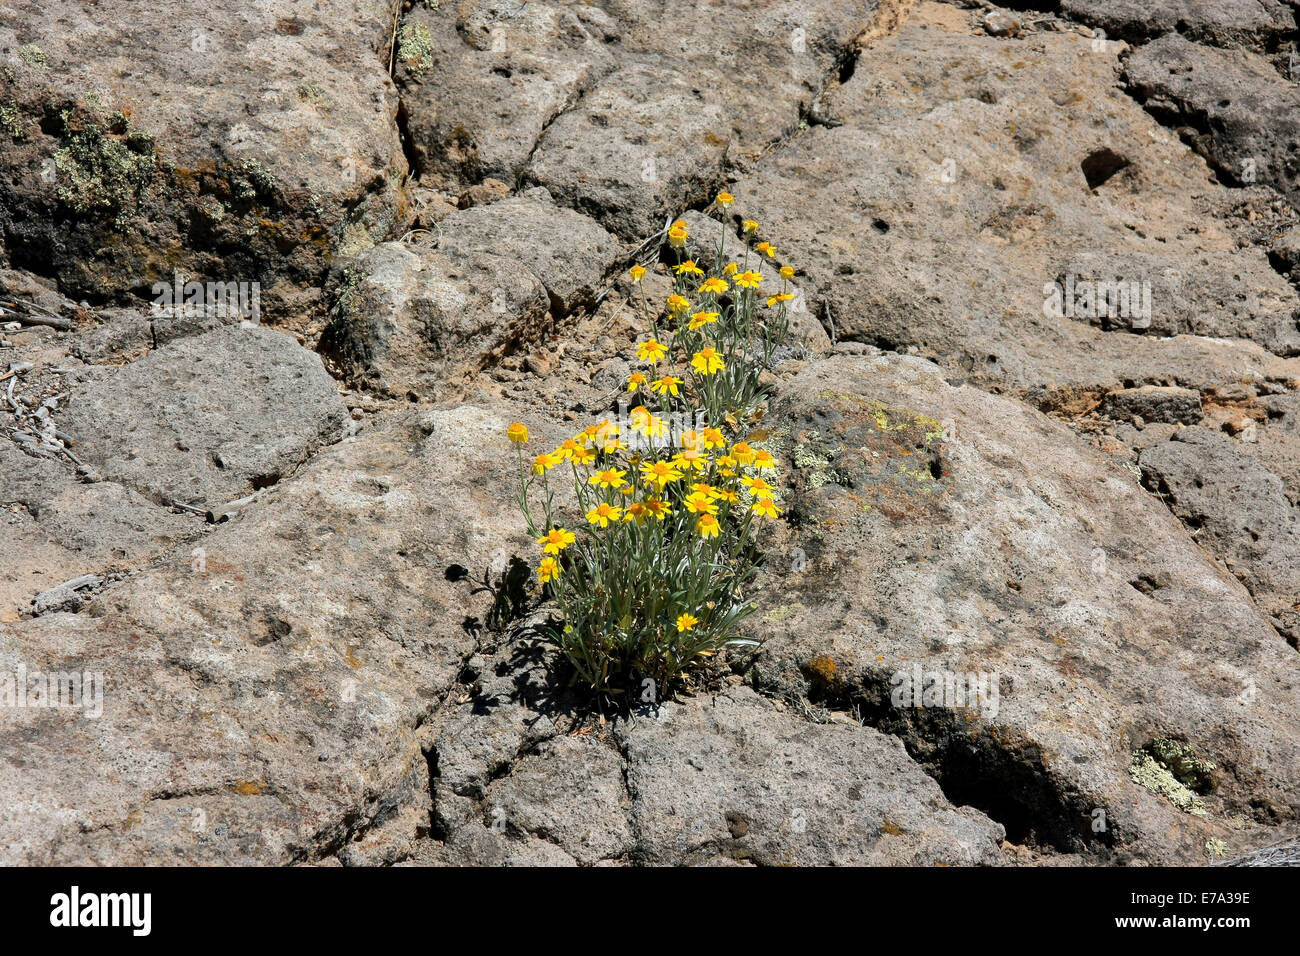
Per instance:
{"type": "Point", "coordinates": [963, 187]}
{"type": "Point", "coordinates": [1260, 24]}
{"type": "Point", "coordinates": [568, 252]}
{"type": "Point", "coordinates": [409, 321]}
{"type": "Point", "coordinates": [208, 419]}
{"type": "Point", "coordinates": [1154, 403]}
{"type": "Point", "coordinates": [253, 142]}
{"type": "Point", "coordinates": [1238, 509]}
{"type": "Point", "coordinates": [1242, 114]}
{"type": "Point", "coordinates": [962, 534]}
{"type": "Point", "coordinates": [322, 623]}
{"type": "Point", "coordinates": [732, 777]}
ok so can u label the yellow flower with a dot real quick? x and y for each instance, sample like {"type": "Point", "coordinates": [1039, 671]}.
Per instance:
{"type": "Point", "coordinates": [749, 279]}
{"type": "Point", "coordinates": [713, 285]}
{"type": "Point", "coordinates": [691, 439]}
{"type": "Point", "coordinates": [583, 456]}
{"type": "Point", "coordinates": [637, 273]}
{"type": "Point", "coordinates": [749, 226]}
{"type": "Point", "coordinates": [768, 248]}
{"type": "Point", "coordinates": [651, 426]}
{"type": "Point", "coordinates": [687, 621]}
{"type": "Point", "coordinates": [603, 514]}
{"type": "Point", "coordinates": [763, 459]}
{"type": "Point", "coordinates": [566, 450]}
{"type": "Point", "coordinates": [787, 272]}
{"type": "Point", "coordinates": [701, 319]}
{"type": "Point", "coordinates": [726, 465]}
{"type": "Point", "coordinates": [517, 433]}
{"type": "Point", "coordinates": [546, 461]}
{"type": "Point", "coordinates": [679, 224]}
{"type": "Point", "coordinates": [707, 526]}
{"type": "Point", "coordinates": [705, 488]}
{"type": "Point", "coordinates": [765, 507]}
{"type": "Point", "coordinates": [667, 384]}
{"type": "Point", "coordinates": [691, 459]}
{"type": "Point", "coordinates": [780, 297]}
{"type": "Point", "coordinates": [757, 486]}
{"type": "Point", "coordinates": [651, 351]}
{"type": "Point", "coordinates": [725, 199]}
{"type": "Point", "coordinates": [556, 540]}
{"type": "Point", "coordinates": [609, 478]}
{"type": "Point", "coordinates": [700, 503]}
{"type": "Point", "coordinates": [660, 473]}
{"type": "Point", "coordinates": [636, 512]}
{"type": "Point", "coordinates": [731, 269]}
{"type": "Point", "coordinates": [707, 361]}
{"type": "Point", "coordinates": [689, 268]}
{"type": "Point", "coordinates": [677, 304]}
{"type": "Point", "coordinates": [548, 570]}
{"type": "Point", "coordinates": [658, 508]}
{"type": "Point", "coordinates": [712, 438]}
{"type": "Point", "coordinates": [636, 380]}
{"type": "Point", "coordinates": [677, 236]}
{"type": "Point", "coordinates": [743, 453]}
{"type": "Point", "coordinates": [725, 494]}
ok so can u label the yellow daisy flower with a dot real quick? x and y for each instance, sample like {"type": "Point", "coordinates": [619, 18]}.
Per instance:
{"type": "Point", "coordinates": [556, 540]}
{"type": "Point", "coordinates": [677, 304]}
{"type": "Point", "coordinates": [651, 351]}
{"type": "Point", "coordinates": [713, 285]}
{"type": "Point", "coordinates": [765, 507]}
{"type": "Point", "coordinates": [707, 525]}
{"type": "Point", "coordinates": [658, 508]}
{"type": "Point", "coordinates": [748, 279]}
{"type": "Point", "coordinates": [517, 433]}
{"type": "Point", "coordinates": [546, 461]}
{"type": "Point", "coordinates": [660, 473]}
{"type": "Point", "coordinates": [707, 361]}
{"type": "Point", "coordinates": [666, 384]}
{"type": "Point", "coordinates": [688, 268]}
{"type": "Point", "coordinates": [609, 478]}
{"type": "Point", "coordinates": [686, 622]}
{"type": "Point", "coordinates": [701, 319]}
{"type": "Point", "coordinates": [725, 199]}
{"type": "Point", "coordinates": [637, 273]}
{"type": "Point", "coordinates": [743, 453]}
{"type": "Point", "coordinates": [548, 570]}
{"type": "Point", "coordinates": [603, 514]}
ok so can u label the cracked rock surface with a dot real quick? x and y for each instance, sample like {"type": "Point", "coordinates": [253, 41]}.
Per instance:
{"type": "Point", "coordinates": [290, 552]}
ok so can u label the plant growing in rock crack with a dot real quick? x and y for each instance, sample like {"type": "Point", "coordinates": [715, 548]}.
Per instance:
{"type": "Point", "coordinates": [651, 577]}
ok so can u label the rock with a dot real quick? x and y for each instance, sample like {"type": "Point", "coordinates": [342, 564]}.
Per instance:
{"type": "Point", "coordinates": [962, 197]}
{"type": "Point", "coordinates": [266, 706]}
{"type": "Point", "coordinates": [491, 79]}
{"type": "Point", "coordinates": [1154, 403]}
{"type": "Point", "coordinates": [410, 321]}
{"type": "Point", "coordinates": [999, 23]}
{"type": "Point", "coordinates": [965, 536]}
{"type": "Point", "coordinates": [612, 155]}
{"type": "Point", "coordinates": [207, 419]}
{"type": "Point", "coordinates": [67, 596]}
{"type": "Point", "coordinates": [250, 145]}
{"type": "Point", "coordinates": [102, 525]}
{"type": "Point", "coordinates": [732, 777]}
{"type": "Point", "coordinates": [1243, 112]}
{"type": "Point", "coordinates": [568, 252]}
{"type": "Point", "coordinates": [1285, 251]}
{"type": "Point", "coordinates": [123, 335]}
{"type": "Point", "coordinates": [1239, 510]}
{"type": "Point", "coordinates": [1260, 24]}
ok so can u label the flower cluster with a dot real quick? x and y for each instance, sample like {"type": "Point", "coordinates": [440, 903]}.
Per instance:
{"type": "Point", "coordinates": [650, 574]}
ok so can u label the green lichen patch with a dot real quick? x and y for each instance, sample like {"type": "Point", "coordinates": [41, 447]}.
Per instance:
{"type": "Point", "coordinates": [253, 181]}
{"type": "Point", "coordinates": [10, 121]}
{"type": "Point", "coordinates": [105, 168]}
{"type": "Point", "coordinates": [33, 56]}
{"type": "Point", "coordinates": [1172, 770]}
{"type": "Point", "coordinates": [415, 47]}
